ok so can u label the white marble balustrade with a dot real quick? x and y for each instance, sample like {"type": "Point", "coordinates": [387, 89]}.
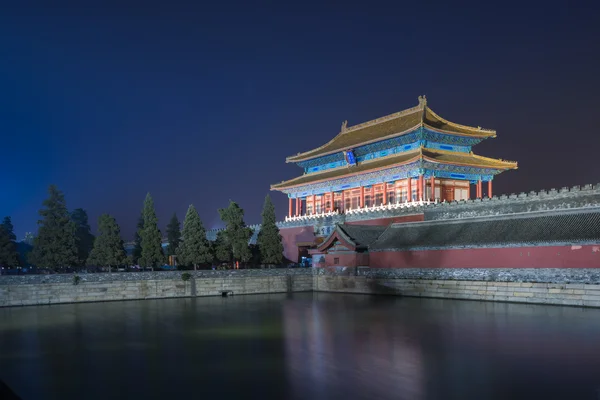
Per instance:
{"type": "Point", "coordinates": [362, 210]}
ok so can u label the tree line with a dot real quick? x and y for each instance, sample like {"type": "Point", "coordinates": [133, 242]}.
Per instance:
{"type": "Point", "coordinates": [64, 239]}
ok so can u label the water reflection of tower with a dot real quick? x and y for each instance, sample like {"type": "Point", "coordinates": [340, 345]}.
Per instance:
{"type": "Point", "coordinates": [303, 344]}
{"type": "Point", "coordinates": [334, 348]}
{"type": "Point", "coordinates": [386, 350]}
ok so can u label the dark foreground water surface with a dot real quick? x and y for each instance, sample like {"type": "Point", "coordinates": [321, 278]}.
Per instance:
{"type": "Point", "coordinates": [301, 346]}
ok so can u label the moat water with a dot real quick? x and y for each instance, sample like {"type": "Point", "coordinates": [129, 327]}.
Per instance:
{"type": "Point", "coordinates": [301, 346]}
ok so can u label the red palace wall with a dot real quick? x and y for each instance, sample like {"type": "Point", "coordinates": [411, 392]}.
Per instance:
{"type": "Point", "coordinates": [512, 257]}
{"type": "Point", "coordinates": [344, 259]}
{"type": "Point", "coordinates": [291, 236]}
{"type": "Point", "coordinates": [387, 221]}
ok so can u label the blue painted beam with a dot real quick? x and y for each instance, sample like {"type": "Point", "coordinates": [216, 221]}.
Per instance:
{"type": "Point", "coordinates": [412, 170]}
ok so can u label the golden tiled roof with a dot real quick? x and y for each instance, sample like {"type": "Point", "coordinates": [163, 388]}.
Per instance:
{"type": "Point", "coordinates": [390, 126]}
{"type": "Point", "coordinates": [435, 156]}
{"type": "Point", "coordinates": [468, 159]}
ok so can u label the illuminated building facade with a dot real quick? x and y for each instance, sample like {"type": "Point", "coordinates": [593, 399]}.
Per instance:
{"type": "Point", "coordinates": [410, 156]}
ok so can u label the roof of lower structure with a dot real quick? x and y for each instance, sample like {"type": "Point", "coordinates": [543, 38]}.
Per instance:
{"type": "Point", "coordinates": [362, 235]}
{"type": "Point", "coordinates": [390, 126]}
{"type": "Point", "coordinates": [358, 236]}
{"type": "Point", "coordinates": [564, 227]}
{"type": "Point", "coordinates": [421, 153]}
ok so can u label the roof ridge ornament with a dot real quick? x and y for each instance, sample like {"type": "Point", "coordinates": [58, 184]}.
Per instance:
{"type": "Point", "coordinates": [344, 126]}
{"type": "Point", "coordinates": [423, 100]}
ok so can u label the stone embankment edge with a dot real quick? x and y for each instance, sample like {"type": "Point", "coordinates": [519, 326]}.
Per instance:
{"type": "Point", "coordinates": [573, 287]}
{"type": "Point", "coordinates": [571, 294]}
{"type": "Point", "coordinates": [149, 275]}
{"type": "Point", "coordinates": [143, 289]}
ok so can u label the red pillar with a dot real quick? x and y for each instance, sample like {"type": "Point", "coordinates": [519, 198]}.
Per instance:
{"type": "Point", "coordinates": [409, 186]}
{"type": "Point", "coordinates": [298, 206]}
{"type": "Point", "coordinates": [420, 194]}
{"type": "Point", "coordinates": [432, 188]}
{"type": "Point", "coordinates": [343, 207]}
{"type": "Point", "coordinates": [331, 201]}
{"type": "Point", "coordinates": [479, 189]}
{"type": "Point", "coordinates": [290, 207]}
{"type": "Point", "coordinates": [490, 189]}
{"type": "Point", "coordinates": [362, 197]}
{"type": "Point", "coordinates": [314, 204]}
{"type": "Point", "coordinates": [384, 193]}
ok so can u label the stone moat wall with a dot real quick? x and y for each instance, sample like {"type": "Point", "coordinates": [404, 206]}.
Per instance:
{"type": "Point", "coordinates": [53, 289]}
{"type": "Point", "coordinates": [573, 294]}
{"type": "Point", "coordinates": [572, 286]}
{"type": "Point", "coordinates": [557, 286]}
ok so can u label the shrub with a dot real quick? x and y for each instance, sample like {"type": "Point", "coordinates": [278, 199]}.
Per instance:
{"type": "Point", "coordinates": [76, 279]}
{"type": "Point", "coordinates": [186, 276]}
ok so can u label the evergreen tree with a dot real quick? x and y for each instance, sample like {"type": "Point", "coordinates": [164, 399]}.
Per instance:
{"type": "Point", "coordinates": [83, 235]}
{"type": "Point", "coordinates": [151, 242]}
{"type": "Point", "coordinates": [9, 256]}
{"type": "Point", "coordinates": [137, 247]}
{"type": "Point", "coordinates": [236, 232]}
{"type": "Point", "coordinates": [9, 228]}
{"type": "Point", "coordinates": [55, 244]}
{"type": "Point", "coordinates": [222, 248]}
{"type": "Point", "coordinates": [195, 248]}
{"type": "Point", "coordinates": [108, 247]}
{"type": "Point", "coordinates": [173, 235]}
{"type": "Point", "coordinates": [255, 259]}
{"type": "Point", "coordinates": [269, 239]}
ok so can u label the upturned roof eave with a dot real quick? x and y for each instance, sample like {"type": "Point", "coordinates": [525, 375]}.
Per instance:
{"type": "Point", "coordinates": [475, 131]}
{"type": "Point", "coordinates": [503, 165]}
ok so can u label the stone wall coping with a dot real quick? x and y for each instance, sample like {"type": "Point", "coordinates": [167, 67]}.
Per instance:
{"type": "Point", "coordinates": [148, 275]}
{"type": "Point", "coordinates": [504, 245]}
{"type": "Point", "coordinates": [517, 215]}
{"type": "Point", "coordinates": [533, 275]}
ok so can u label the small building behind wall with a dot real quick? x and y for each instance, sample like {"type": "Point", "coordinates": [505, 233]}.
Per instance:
{"type": "Point", "coordinates": [347, 246]}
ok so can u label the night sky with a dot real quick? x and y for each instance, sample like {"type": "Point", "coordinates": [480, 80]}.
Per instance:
{"type": "Point", "coordinates": [201, 104]}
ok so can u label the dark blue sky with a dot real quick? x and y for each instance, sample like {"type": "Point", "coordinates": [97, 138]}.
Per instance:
{"type": "Point", "coordinates": [201, 104]}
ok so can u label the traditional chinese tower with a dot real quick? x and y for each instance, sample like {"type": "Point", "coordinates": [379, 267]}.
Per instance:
{"type": "Point", "coordinates": [410, 156]}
